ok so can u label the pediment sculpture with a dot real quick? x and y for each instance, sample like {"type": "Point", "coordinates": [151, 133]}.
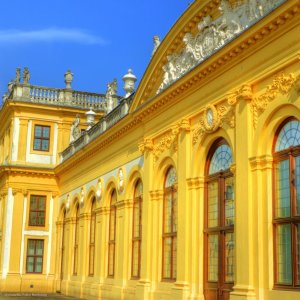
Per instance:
{"type": "Point", "coordinates": [213, 35]}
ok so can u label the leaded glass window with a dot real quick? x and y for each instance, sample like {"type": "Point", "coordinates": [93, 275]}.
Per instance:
{"type": "Point", "coordinates": [112, 234]}
{"type": "Point", "coordinates": [170, 226]}
{"type": "Point", "coordinates": [92, 238]}
{"type": "Point", "coordinates": [76, 241]}
{"type": "Point", "coordinates": [286, 216]}
{"type": "Point", "coordinates": [137, 230]}
{"type": "Point", "coordinates": [219, 222]}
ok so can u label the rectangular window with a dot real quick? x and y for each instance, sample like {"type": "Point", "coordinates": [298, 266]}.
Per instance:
{"type": "Point", "coordinates": [41, 138]}
{"type": "Point", "coordinates": [34, 261]}
{"type": "Point", "coordinates": [37, 210]}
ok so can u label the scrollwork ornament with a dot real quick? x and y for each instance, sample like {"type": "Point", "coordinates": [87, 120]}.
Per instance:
{"type": "Point", "coordinates": [282, 84]}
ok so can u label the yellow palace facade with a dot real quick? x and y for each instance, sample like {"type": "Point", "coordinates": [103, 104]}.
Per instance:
{"type": "Point", "coordinates": [187, 188]}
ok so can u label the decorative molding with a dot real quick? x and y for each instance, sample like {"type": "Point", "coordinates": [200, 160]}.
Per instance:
{"type": "Point", "coordinates": [261, 162]}
{"type": "Point", "coordinates": [221, 114]}
{"type": "Point", "coordinates": [146, 145]}
{"type": "Point", "coordinates": [195, 183]}
{"type": "Point", "coordinates": [156, 195]}
{"type": "Point", "coordinates": [282, 84]}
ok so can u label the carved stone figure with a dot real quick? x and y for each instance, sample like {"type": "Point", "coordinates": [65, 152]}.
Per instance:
{"type": "Point", "coordinates": [75, 130]}
{"type": "Point", "coordinates": [229, 24]}
{"type": "Point", "coordinates": [18, 75]}
{"type": "Point", "coordinates": [26, 76]}
{"type": "Point", "coordinates": [156, 41]}
{"type": "Point", "coordinates": [111, 92]}
{"type": "Point", "coordinates": [207, 39]}
{"type": "Point", "coordinates": [121, 180]}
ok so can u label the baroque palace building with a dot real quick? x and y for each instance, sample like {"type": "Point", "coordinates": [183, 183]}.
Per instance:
{"type": "Point", "coordinates": [187, 188]}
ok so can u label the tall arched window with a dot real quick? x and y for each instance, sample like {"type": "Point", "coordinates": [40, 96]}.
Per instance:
{"type": "Point", "coordinates": [286, 212]}
{"type": "Point", "coordinates": [219, 223]}
{"type": "Point", "coordinates": [92, 238]}
{"type": "Point", "coordinates": [137, 230]}
{"type": "Point", "coordinates": [76, 241]}
{"type": "Point", "coordinates": [112, 234]}
{"type": "Point", "coordinates": [170, 226]}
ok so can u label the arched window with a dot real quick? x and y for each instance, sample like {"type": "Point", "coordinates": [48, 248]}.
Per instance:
{"type": "Point", "coordinates": [137, 230]}
{"type": "Point", "coordinates": [286, 213]}
{"type": "Point", "coordinates": [92, 238]}
{"type": "Point", "coordinates": [219, 222]}
{"type": "Point", "coordinates": [112, 234]}
{"type": "Point", "coordinates": [76, 241]}
{"type": "Point", "coordinates": [170, 226]}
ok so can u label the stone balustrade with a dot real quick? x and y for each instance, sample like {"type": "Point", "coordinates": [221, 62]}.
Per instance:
{"type": "Point", "coordinates": [61, 97]}
{"type": "Point", "coordinates": [105, 123]}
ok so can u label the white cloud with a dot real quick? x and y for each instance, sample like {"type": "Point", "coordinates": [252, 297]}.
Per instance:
{"type": "Point", "coordinates": [50, 35]}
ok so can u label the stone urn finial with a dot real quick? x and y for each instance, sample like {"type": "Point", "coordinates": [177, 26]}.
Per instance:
{"type": "Point", "coordinates": [90, 118]}
{"type": "Point", "coordinates": [129, 81]}
{"type": "Point", "coordinates": [68, 79]}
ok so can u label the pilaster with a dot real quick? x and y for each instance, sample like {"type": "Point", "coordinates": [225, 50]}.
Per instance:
{"type": "Point", "coordinates": [244, 255]}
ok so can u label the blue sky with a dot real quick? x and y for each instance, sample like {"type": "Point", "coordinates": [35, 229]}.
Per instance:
{"type": "Point", "coordinates": [98, 40]}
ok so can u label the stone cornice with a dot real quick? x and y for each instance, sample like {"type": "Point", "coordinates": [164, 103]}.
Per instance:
{"type": "Point", "coordinates": [26, 170]}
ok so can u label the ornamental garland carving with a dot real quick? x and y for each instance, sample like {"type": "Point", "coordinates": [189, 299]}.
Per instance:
{"type": "Point", "coordinates": [168, 141]}
{"type": "Point", "coordinates": [214, 117]}
{"type": "Point", "coordinates": [213, 35]}
{"type": "Point", "coordinates": [282, 84]}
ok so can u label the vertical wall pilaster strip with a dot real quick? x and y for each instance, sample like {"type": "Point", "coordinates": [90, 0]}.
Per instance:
{"type": "Point", "coordinates": [50, 237]}
{"type": "Point", "coordinates": [28, 140]}
{"type": "Point", "coordinates": [15, 139]}
{"type": "Point", "coordinates": [8, 229]}
{"type": "Point", "coordinates": [23, 229]}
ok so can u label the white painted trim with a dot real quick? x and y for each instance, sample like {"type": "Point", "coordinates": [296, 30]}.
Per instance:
{"type": "Point", "coordinates": [15, 139]}
{"type": "Point", "coordinates": [28, 140]}
{"type": "Point", "coordinates": [8, 230]}
{"type": "Point", "coordinates": [36, 232]}
{"type": "Point", "coordinates": [55, 138]}
{"type": "Point", "coordinates": [50, 237]}
{"type": "Point", "coordinates": [23, 229]}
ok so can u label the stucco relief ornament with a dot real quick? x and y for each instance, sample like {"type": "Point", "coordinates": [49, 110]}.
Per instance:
{"type": "Point", "coordinates": [68, 202]}
{"type": "Point", "coordinates": [99, 189]}
{"type": "Point", "coordinates": [82, 194]}
{"type": "Point", "coordinates": [75, 130]}
{"type": "Point", "coordinates": [213, 35]}
{"type": "Point", "coordinates": [282, 84]}
{"type": "Point", "coordinates": [121, 180]}
{"type": "Point", "coordinates": [211, 120]}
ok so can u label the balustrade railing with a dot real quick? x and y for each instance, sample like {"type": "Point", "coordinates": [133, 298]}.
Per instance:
{"type": "Point", "coordinates": [105, 123]}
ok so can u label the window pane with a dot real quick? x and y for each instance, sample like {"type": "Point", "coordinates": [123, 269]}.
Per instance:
{"type": "Point", "coordinates": [297, 183]}
{"type": "Point", "coordinates": [138, 189]}
{"type": "Point", "coordinates": [91, 266]}
{"type": "Point", "coordinates": [41, 218]}
{"type": "Point", "coordinates": [46, 132]}
{"type": "Point", "coordinates": [45, 145]}
{"type": "Point", "coordinates": [135, 259]}
{"type": "Point", "coordinates": [37, 144]}
{"type": "Point", "coordinates": [167, 212]}
{"type": "Point", "coordinates": [111, 259]}
{"type": "Point", "coordinates": [30, 263]}
{"type": "Point", "coordinates": [284, 254]}
{"type": "Point", "coordinates": [221, 160]}
{"type": "Point", "coordinates": [174, 229]}
{"type": "Point", "coordinates": [33, 202]}
{"type": "Point", "coordinates": [167, 258]}
{"type": "Point", "coordinates": [112, 224]}
{"type": "Point", "coordinates": [229, 257]}
{"type": "Point", "coordinates": [282, 189]}
{"type": "Point", "coordinates": [38, 131]}
{"type": "Point", "coordinates": [39, 265]}
{"type": "Point", "coordinates": [136, 220]}
{"type": "Point", "coordinates": [41, 203]}
{"type": "Point", "coordinates": [174, 257]}
{"type": "Point", "coordinates": [213, 248]}
{"type": "Point", "coordinates": [229, 201]}
{"type": "Point", "coordinates": [39, 247]}
{"type": "Point", "coordinates": [171, 177]}
{"type": "Point", "coordinates": [30, 247]}
{"type": "Point", "coordinates": [288, 136]}
{"type": "Point", "coordinates": [212, 204]}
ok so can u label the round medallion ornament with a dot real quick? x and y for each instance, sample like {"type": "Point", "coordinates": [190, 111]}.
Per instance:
{"type": "Point", "coordinates": [210, 118]}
